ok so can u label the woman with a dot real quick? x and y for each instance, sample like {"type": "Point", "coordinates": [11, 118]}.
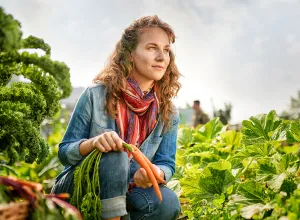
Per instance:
{"type": "Point", "coordinates": [130, 101]}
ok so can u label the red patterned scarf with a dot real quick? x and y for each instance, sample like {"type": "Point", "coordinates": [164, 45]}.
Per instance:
{"type": "Point", "coordinates": [137, 113]}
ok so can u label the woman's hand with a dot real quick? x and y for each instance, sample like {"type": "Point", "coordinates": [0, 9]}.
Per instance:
{"type": "Point", "coordinates": [141, 178]}
{"type": "Point", "coordinates": [107, 141]}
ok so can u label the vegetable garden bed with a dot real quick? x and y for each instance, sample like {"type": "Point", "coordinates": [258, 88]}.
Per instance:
{"type": "Point", "coordinates": [252, 174]}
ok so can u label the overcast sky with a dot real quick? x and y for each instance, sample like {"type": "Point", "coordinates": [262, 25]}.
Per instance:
{"type": "Point", "coordinates": [244, 52]}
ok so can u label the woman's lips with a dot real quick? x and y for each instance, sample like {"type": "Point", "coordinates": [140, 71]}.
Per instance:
{"type": "Point", "coordinates": [158, 67]}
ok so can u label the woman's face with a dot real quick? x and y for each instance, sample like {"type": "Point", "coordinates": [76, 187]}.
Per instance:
{"type": "Point", "coordinates": [151, 56]}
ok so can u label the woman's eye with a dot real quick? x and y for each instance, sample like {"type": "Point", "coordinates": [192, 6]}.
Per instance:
{"type": "Point", "coordinates": [152, 48]}
{"type": "Point", "coordinates": [167, 50]}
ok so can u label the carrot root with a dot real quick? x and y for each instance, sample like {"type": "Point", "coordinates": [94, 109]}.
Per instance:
{"type": "Point", "coordinates": [140, 159]}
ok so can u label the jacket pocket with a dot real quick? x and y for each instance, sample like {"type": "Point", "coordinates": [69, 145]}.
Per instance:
{"type": "Point", "coordinates": [97, 129]}
{"type": "Point", "coordinates": [153, 146]}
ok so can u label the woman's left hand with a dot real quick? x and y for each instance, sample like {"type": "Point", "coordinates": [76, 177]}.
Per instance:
{"type": "Point", "coordinates": [141, 178]}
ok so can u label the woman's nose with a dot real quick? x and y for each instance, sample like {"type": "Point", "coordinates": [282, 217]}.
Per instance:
{"type": "Point", "coordinates": [160, 56]}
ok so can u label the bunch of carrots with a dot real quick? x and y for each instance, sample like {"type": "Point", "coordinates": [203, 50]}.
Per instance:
{"type": "Point", "coordinates": [145, 163]}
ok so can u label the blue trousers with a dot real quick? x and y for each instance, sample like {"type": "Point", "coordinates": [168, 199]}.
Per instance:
{"type": "Point", "coordinates": [139, 203]}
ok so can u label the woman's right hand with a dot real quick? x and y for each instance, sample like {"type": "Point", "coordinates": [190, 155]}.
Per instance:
{"type": "Point", "coordinates": [107, 141]}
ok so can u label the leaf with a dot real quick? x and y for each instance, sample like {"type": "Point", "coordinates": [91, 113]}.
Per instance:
{"type": "Point", "coordinates": [253, 192]}
{"type": "Point", "coordinates": [219, 201]}
{"type": "Point", "coordinates": [205, 154]}
{"type": "Point", "coordinates": [185, 136]}
{"type": "Point", "coordinates": [8, 169]}
{"type": "Point", "coordinates": [291, 149]}
{"type": "Point", "coordinates": [265, 170]}
{"type": "Point", "coordinates": [288, 186]}
{"type": "Point", "coordinates": [232, 138]}
{"type": "Point", "coordinates": [258, 150]}
{"type": "Point", "coordinates": [189, 182]}
{"type": "Point", "coordinates": [216, 177]}
{"type": "Point", "coordinates": [179, 157]}
{"type": "Point", "coordinates": [221, 165]}
{"type": "Point", "coordinates": [179, 172]}
{"type": "Point", "coordinates": [261, 128]}
{"type": "Point", "coordinates": [208, 131]}
{"type": "Point", "coordinates": [293, 133]}
{"type": "Point", "coordinates": [256, 209]}
{"type": "Point", "coordinates": [174, 185]}
{"type": "Point", "coordinates": [276, 182]}
{"type": "Point", "coordinates": [284, 162]}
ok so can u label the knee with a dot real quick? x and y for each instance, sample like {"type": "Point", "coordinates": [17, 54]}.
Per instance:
{"type": "Point", "coordinates": [147, 203]}
{"type": "Point", "coordinates": [170, 205]}
{"type": "Point", "coordinates": [113, 174]}
{"type": "Point", "coordinates": [115, 159]}
{"type": "Point", "coordinates": [114, 164]}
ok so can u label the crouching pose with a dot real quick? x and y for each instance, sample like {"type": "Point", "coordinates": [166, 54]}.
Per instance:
{"type": "Point", "coordinates": [130, 100]}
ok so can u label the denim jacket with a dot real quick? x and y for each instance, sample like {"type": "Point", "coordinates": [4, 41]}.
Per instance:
{"type": "Point", "coordinates": [90, 119]}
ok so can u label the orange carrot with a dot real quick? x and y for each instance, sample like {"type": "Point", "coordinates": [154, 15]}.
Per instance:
{"type": "Point", "coordinates": [138, 156]}
{"type": "Point", "coordinates": [156, 174]}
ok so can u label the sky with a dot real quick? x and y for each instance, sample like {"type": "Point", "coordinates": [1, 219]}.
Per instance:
{"type": "Point", "coordinates": [243, 52]}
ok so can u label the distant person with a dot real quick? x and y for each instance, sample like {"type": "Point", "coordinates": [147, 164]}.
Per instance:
{"type": "Point", "coordinates": [199, 116]}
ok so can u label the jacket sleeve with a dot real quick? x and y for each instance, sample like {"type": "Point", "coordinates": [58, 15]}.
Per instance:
{"type": "Point", "coordinates": [77, 131]}
{"type": "Point", "coordinates": [164, 157]}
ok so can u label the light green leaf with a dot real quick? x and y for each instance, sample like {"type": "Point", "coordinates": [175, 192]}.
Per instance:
{"type": "Point", "coordinates": [179, 157]}
{"type": "Point", "coordinates": [252, 191]}
{"type": "Point", "coordinates": [256, 209]}
{"type": "Point", "coordinates": [226, 149]}
{"type": "Point", "coordinates": [185, 136]}
{"type": "Point", "coordinates": [175, 186]}
{"type": "Point", "coordinates": [292, 149]}
{"type": "Point", "coordinates": [209, 131]}
{"type": "Point", "coordinates": [205, 154]}
{"type": "Point", "coordinates": [219, 201]}
{"type": "Point", "coordinates": [293, 133]}
{"type": "Point", "coordinates": [261, 128]}
{"type": "Point", "coordinates": [216, 177]}
{"type": "Point", "coordinates": [220, 165]}
{"type": "Point", "coordinates": [276, 182]}
{"type": "Point", "coordinates": [232, 138]}
{"type": "Point", "coordinates": [265, 171]}
{"type": "Point", "coordinates": [189, 182]}
{"type": "Point", "coordinates": [258, 150]}
{"type": "Point", "coordinates": [283, 163]}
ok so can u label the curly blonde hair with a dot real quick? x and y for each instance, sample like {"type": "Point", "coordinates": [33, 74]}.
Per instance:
{"type": "Point", "coordinates": [119, 67]}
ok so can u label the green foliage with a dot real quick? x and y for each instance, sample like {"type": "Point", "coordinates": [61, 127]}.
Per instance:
{"type": "Point", "coordinates": [293, 112]}
{"type": "Point", "coordinates": [261, 128]}
{"type": "Point", "coordinates": [23, 106]}
{"type": "Point", "coordinates": [252, 174]}
{"type": "Point", "coordinates": [293, 133]}
{"type": "Point", "coordinates": [10, 34]}
{"type": "Point", "coordinates": [209, 131]}
{"type": "Point", "coordinates": [45, 173]}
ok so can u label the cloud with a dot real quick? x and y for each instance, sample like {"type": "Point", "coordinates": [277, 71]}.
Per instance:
{"type": "Point", "coordinates": [246, 52]}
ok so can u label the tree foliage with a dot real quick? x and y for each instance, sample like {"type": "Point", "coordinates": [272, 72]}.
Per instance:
{"type": "Point", "coordinates": [23, 106]}
{"type": "Point", "coordinates": [293, 113]}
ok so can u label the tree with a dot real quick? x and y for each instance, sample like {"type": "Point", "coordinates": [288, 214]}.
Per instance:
{"type": "Point", "coordinates": [293, 113]}
{"type": "Point", "coordinates": [224, 115]}
{"type": "Point", "coordinates": [24, 106]}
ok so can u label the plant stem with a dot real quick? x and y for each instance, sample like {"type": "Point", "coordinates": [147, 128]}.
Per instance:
{"type": "Point", "coordinates": [127, 146]}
